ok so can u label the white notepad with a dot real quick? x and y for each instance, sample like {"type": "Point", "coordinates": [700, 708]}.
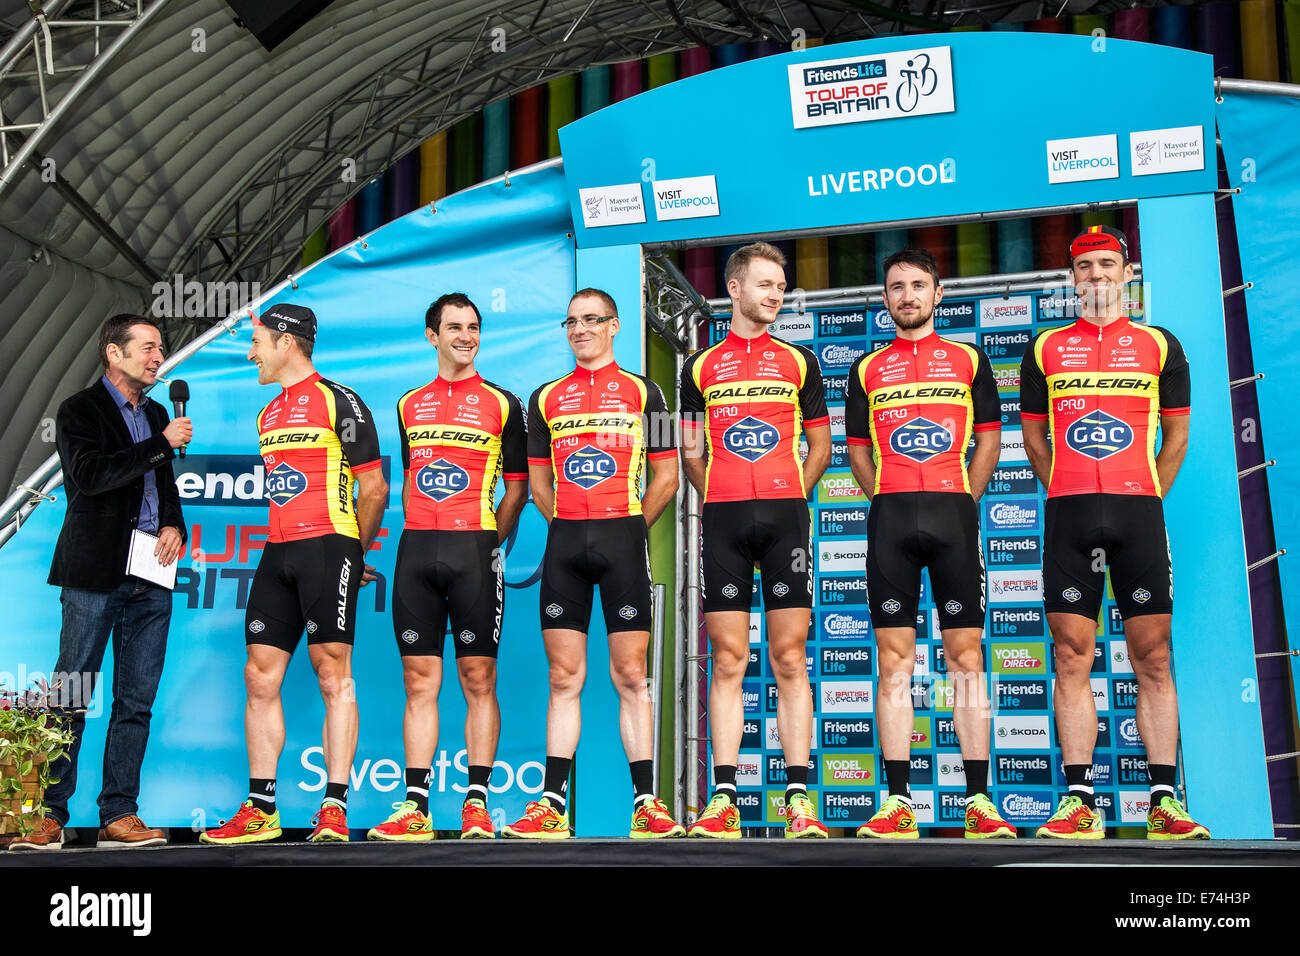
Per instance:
{"type": "Point", "coordinates": [143, 563]}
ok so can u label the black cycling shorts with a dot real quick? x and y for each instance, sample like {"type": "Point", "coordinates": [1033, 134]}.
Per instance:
{"type": "Point", "coordinates": [613, 553]}
{"type": "Point", "coordinates": [773, 534]}
{"type": "Point", "coordinates": [442, 574]}
{"type": "Point", "coordinates": [310, 584]}
{"type": "Point", "coordinates": [1085, 533]}
{"type": "Point", "coordinates": [939, 530]}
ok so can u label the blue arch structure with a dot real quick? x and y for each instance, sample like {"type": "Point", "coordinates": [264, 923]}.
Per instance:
{"type": "Point", "coordinates": [885, 131]}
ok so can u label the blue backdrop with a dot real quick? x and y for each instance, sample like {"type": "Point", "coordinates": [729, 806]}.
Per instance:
{"type": "Point", "coordinates": [370, 300]}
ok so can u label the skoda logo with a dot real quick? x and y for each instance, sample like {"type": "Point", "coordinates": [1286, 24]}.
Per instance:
{"type": "Point", "coordinates": [441, 479]}
{"type": "Point", "coordinates": [920, 439]}
{"type": "Point", "coordinates": [1099, 435]}
{"type": "Point", "coordinates": [589, 466]}
{"type": "Point", "coordinates": [750, 438]}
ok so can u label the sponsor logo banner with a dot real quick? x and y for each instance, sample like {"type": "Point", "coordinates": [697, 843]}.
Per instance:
{"type": "Point", "coordinates": [955, 315]}
{"type": "Point", "coordinates": [1119, 660]}
{"type": "Point", "coordinates": [1126, 691]}
{"type": "Point", "coordinates": [1021, 807]}
{"type": "Point", "coordinates": [751, 693]}
{"type": "Point", "coordinates": [750, 806]}
{"type": "Point", "coordinates": [842, 323]}
{"type": "Point", "coordinates": [791, 326]}
{"type": "Point", "coordinates": [945, 733]}
{"type": "Point", "coordinates": [689, 198]}
{"type": "Point", "coordinates": [1133, 806]}
{"type": "Point", "coordinates": [1015, 514]}
{"type": "Point", "coordinates": [842, 555]}
{"type": "Point", "coordinates": [839, 488]}
{"type": "Point", "coordinates": [751, 735]}
{"type": "Point", "coordinates": [842, 590]}
{"type": "Point", "coordinates": [1009, 345]}
{"type": "Point", "coordinates": [1020, 659]}
{"type": "Point", "coordinates": [846, 697]}
{"type": "Point", "coordinates": [1132, 771]}
{"type": "Point", "coordinates": [835, 386]}
{"type": "Point", "coordinates": [862, 88]}
{"type": "Point", "coordinates": [923, 806]}
{"type": "Point", "coordinates": [776, 770]}
{"type": "Point", "coordinates": [1007, 375]}
{"type": "Point", "coordinates": [616, 205]}
{"type": "Point", "coordinates": [845, 625]}
{"type": "Point", "coordinates": [1012, 310]}
{"type": "Point", "coordinates": [1015, 551]}
{"type": "Point", "coordinates": [1020, 733]}
{"type": "Point", "coordinates": [1082, 158]}
{"type": "Point", "coordinates": [1027, 768]}
{"type": "Point", "coordinates": [848, 770]}
{"type": "Point", "coordinates": [1015, 694]}
{"type": "Point", "coordinates": [841, 520]}
{"type": "Point", "coordinates": [847, 732]}
{"type": "Point", "coordinates": [1126, 732]}
{"type": "Point", "coordinates": [772, 736]}
{"type": "Point", "coordinates": [848, 807]}
{"type": "Point", "coordinates": [1006, 587]}
{"type": "Point", "coordinates": [1011, 412]}
{"type": "Point", "coordinates": [848, 661]}
{"type": "Point", "coordinates": [749, 770]}
{"type": "Point", "coordinates": [1016, 622]}
{"type": "Point", "coordinates": [1013, 446]}
{"type": "Point", "coordinates": [1015, 480]}
{"type": "Point", "coordinates": [1176, 150]}
{"type": "Point", "coordinates": [838, 355]}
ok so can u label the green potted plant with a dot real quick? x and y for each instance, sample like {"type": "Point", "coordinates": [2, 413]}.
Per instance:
{"type": "Point", "coordinates": [34, 733]}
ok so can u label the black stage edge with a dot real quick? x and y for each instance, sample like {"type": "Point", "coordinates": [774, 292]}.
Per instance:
{"type": "Point", "coordinates": [692, 853]}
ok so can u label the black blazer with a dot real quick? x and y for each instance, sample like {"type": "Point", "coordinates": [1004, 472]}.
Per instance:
{"type": "Point", "coordinates": [103, 474]}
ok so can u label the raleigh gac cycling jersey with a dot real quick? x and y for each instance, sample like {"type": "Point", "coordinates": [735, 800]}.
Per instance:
{"type": "Point", "coordinates": [314, 437]}
{"type": "Point", "coordinates": [917, 404]}
{"type": "Point", "coordinates": [1103, 389]}
{"type": "Point", "coordinates": [458, 438]}
{"type": "Point", "coordinates": [759, 394]}
{"type": "Point", "coordinates": [594, 427]}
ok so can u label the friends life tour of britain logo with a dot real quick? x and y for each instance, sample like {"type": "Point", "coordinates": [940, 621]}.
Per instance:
{"type": "Point", "coordinates": [861, 88]}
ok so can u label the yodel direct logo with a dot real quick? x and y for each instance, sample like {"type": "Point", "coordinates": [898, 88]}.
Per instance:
{"type": "Point", "coordinates": [589, 466]}
{"type": "Point", "coordinates": [751, 438]}
{"type": "Point", "coordinates": [441, 479]}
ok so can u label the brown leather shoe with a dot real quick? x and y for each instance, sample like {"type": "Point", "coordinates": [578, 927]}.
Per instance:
{"type": "Point", "coordinates": [48, 835]}
{"type": "Point", "coordinates": [130, 833]}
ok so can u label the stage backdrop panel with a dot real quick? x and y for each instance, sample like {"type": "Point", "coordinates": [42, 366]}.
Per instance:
{"type": "Point", "coordinates": [506, 247]}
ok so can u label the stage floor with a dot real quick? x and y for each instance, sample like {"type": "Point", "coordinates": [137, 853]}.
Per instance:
{"type": "Point", "coordinates": [695, 853]}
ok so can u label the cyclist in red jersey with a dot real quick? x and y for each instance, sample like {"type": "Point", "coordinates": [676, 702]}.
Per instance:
{"type": "Point", "coordinates": [317, 439]}
{"type": "Point", "coordinates": [460, 434]}
{"type": "Point", "coordinates": [1103, 386]}
{"type": "Point", "coordinates": [911, 410]}
{"type": "Point", "coordinates": [589, 434]}
{"type": "Point", "coordinates": [744, 402]}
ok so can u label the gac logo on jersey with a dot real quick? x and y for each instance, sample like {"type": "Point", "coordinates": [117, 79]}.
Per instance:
{"type": "Point", "coordinates": [920, 440]}
{"type": "Point", "coordinates": [441, 479]}
{"type": "Point", "coordinates": [589, 466]}
{"type": "Point", "coordinates": [284, 483]}
{"type": "Point", "coordinates": [750, 438]}
{"type": "Point", "coordinates": [1099, 435]}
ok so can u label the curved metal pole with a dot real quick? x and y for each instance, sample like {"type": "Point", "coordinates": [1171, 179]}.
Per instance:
{"type": "Point", "coordinates": [10, 173]}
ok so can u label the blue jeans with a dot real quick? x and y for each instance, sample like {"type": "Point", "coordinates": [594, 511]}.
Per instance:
{"type": "Point", "coordinates": [137, 615]}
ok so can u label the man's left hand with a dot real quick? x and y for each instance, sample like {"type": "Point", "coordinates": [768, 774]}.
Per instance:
{"type": "Point", "coordinates": [169, 546]}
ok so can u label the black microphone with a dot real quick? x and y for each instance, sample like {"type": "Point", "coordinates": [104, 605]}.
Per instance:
{"type": "Point", "coordinates": [179, 394]}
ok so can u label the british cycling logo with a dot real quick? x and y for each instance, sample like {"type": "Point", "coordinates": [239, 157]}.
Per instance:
{"type": "Point", "coordinates": [751, 438]}
{"type": "Point", "coordinates": [921, 439]}
{"type": "Point", "coordinates": [1099, 435]}
{"type": "Point", "coordinates": [441, 480]}
{"type": "Point", "coordinates": [589, 466]}
{"type": "Point", "coordinates": [284, 483]}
